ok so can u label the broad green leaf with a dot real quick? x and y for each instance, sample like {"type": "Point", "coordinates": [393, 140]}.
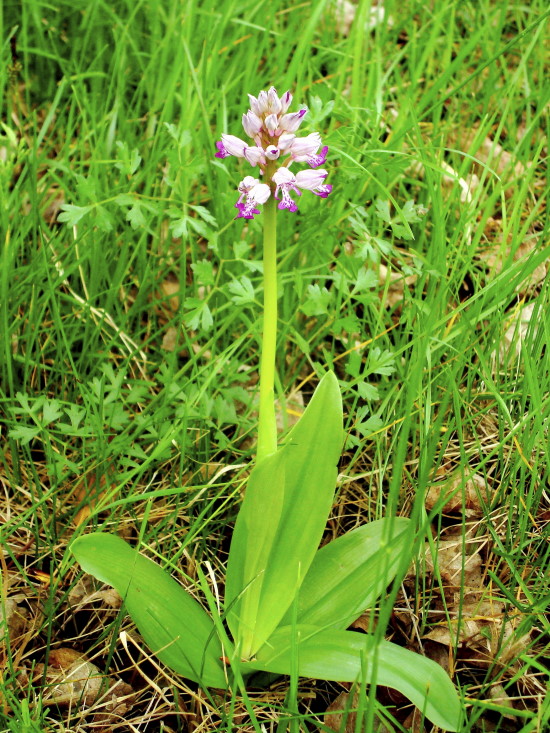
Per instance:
{"type": "Point", "coordinates": [181, 137]}
{"type": "Point", "coordinates": [366, 279]}
{"type": "Point", "coordinates": [380, 362]}
{"type": "Point", "coordinates": [127, 162]}
{"type": "Point", "coordinates": [348, 574]}
{"type": "Point", "coordinates": [125, 199]}
{"type": "Point", "coordinates": [103, 219]}
{"type": "Point", "coordinates": [179, 227]}
{"type": "Point", "coordinates": [368, 391]}
{"type": "Point", "coordinates": [198, 314]}
{"type": "Point", "coordinates": [76, 415]}
{"type": "Point", "coordinates": [175, 627]}
{"type": "Point", "coordinates": [241, 249]}
{"type": "Point", "coordinates": [347, 656]}
{"type": "Point", "coordinates": [253, 539]}
{"type": "Point", "coordinates": [199, 226]}
{"type": "Point", "coordinates": [383, 210]}
{"type": "Point", "coordinates": [281, 522]}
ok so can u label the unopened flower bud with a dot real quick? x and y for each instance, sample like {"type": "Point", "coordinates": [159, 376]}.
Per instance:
{"type": "Point", "coordinates": [252, 124]}
{"type": "Point", "coordinates": [273, 102]}
{"type": "Point", "coordinates": [271, 123]}
{"type": "Point", "coordinates": [286, 100]}
{"type": "Point", "coordinates": [291, 122]}
{"type": "Point", "coordinates": [272, 152]}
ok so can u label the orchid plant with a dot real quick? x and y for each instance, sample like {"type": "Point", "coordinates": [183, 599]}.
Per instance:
{"type": "Point", "coordinates": [287, 603]}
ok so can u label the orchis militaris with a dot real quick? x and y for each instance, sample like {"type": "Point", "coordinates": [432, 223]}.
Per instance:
{"type": "Point", "coordinates": [275, 148]}
{"type": "Point", "coordinates": [287, 603]}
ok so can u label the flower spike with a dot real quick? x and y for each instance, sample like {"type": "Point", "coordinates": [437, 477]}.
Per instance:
{"type": "Point", "coordinates": [275, 148]}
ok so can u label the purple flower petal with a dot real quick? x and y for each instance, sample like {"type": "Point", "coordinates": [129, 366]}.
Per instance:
{"type": "Point", "coordinates": [316, 160]}
{"type": "Point", "coordinates": [222, 152]}
{"type": "Point", "coordinates": [246, 211]}
{"type": "Point", "coordinates": [291, 122]}
{"type": "Point", "coordinates": [323, 190]}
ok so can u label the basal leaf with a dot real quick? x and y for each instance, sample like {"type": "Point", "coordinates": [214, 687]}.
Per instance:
{"type": "Point", "coordinates": [348, 574]}
{"type": "Point", "coordinates": [347, 656]}
{"type": "Point", "coordinates": [252, 543]}
{"type": "Point", "coordinates": [281, 522]}
{"type": "Point", "coordinates": [175, 627]}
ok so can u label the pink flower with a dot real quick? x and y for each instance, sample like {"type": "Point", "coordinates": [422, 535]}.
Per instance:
{"type": "Point", "coordinates": [254, 193]}
{"type": "Point", "coordinates": [252, 123]}
{"type": "Point", "coordinates": [275, 148]}
{"type": "Point", "coordinates": [291, 122]}
{"type": "Point", "coordinates": [309, 180]}
{"type": "Point", "coordinates": [231, 145]}
{"type": "Point", "coordinates": [303, 149]}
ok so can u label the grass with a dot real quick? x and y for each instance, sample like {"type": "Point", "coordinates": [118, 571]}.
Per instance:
{"type": "Point", "coordinates": [129, 335]}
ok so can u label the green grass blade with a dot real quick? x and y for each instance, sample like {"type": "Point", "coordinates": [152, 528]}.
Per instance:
{"type": "Point", "coordinates": [282, 519]}
{"type": "Point", "coordinates": [348, 574]}
{"type": "Point", "coordinates": [347, 656]}
{"type": "Point", "coordinates": [176, 628]}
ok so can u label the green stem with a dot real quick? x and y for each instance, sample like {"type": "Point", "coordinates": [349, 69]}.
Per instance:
{"type": "Point", "coordinates": [267, 427]}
